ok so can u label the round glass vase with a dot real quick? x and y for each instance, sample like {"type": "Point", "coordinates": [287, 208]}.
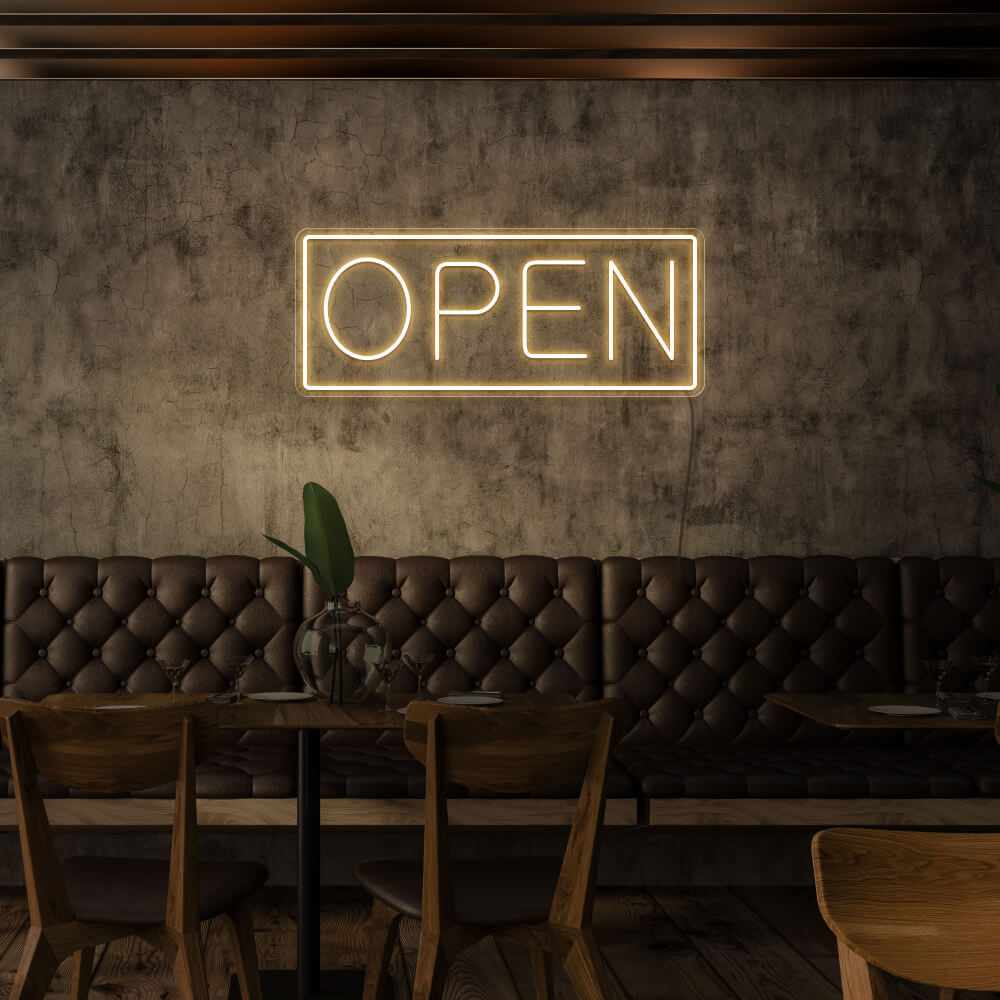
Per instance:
{"type": "Point", "coordinates": [338, 652]}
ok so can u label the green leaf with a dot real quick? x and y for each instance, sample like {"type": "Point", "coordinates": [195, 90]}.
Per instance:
{"type": "Point", "coordinates": [328, 544]}
{"type": "Point", "coordinates": [995, 486]}
{"type": "Point", "coordinates": [325, 585]}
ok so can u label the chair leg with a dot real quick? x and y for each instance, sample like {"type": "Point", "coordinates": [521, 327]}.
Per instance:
{"type": "Point", "coordinates": [585, 967]}
{"type": "Point", "coordinates": [189, 967]}
{"type": "Point", "coordinates": [860, 981]}
{"type": "Point", "coordinates": [240, 920]}
{"type": "Point", "coordinates": [541, 966]}
{"type": "Point", "coordinates": [432, 968]}
{"type": "Point", "coordinates": [83, 971]}
{"type": "Point", "coordinates": [381, 937]}
{"type": "Point", "coordinates": [37, 967]}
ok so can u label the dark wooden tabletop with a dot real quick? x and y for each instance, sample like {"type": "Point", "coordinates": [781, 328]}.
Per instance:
{"type": "Point", "coordinates": [250, 714]}
{"type": "Point", "coordinates": [853, 711]}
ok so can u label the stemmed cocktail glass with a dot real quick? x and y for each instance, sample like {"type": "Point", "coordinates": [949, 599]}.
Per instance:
{"type": "Point", "coordinates": [418, 663]}
{"type": "Point", "coordinates": [175, 669]}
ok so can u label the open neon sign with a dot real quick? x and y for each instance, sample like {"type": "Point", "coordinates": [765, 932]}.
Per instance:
{"type": "Point", "coordinates": [526, 313]}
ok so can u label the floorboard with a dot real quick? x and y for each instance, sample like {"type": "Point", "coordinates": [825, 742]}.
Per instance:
{"type": "Point", "coordinates": [685, 944]}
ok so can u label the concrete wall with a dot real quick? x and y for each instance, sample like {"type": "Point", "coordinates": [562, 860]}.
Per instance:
{"type": "Point", "coordinates": [147, 308]}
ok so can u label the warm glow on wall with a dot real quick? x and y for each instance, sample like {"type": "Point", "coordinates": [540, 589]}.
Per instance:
{"type": "Point", "coordinates": [529, 313]}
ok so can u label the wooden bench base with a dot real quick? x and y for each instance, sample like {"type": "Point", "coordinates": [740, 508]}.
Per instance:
{"type": "Point", "coordinates": [499, 813]}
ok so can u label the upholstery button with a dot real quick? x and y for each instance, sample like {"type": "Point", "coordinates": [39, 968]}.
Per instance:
{"type": "Point", "coordinates": [696, 653]}
{"type": "Point", "coordinates": [531, 684]}
{"type": "Point", "coordinates": [558, 654]}
{"type": "Point", "coordinates": [557, 592]}
{"type": "Point", "coordinates": [504, 653]}
{"type": "Point", "coordinates": [696, 592]}
{"type": "Point", "coordinates": [124, 684]}
{"type": "Point", "coordinates": [395, 591]}
{"type": "Point", "coordinates": [42, 653]}
{"type": "Point", "coordinates": [450, 592]}
{"type": "Point", "coordinates": [642, 653]}
{"type": "Point", "coordinates": [97, 591]}
{"type": "Point", "coordinates": [751, 653]}
{"type": "Point", "coordinates": [259, 592]}
{"type": "Point", "coordinates": [204, 654]}
{"type": "Point", "coordinates": [859, 653]}
{"type": "Point", "coordinates": [670, 683]}
{"type": "Point", "coordinates": [748, 592]}
{"type": "Point", "coordinates": [150, 654]}
{"type": "Point", "coordinates": [69, 621]}
{"type": "Point", "coordinates": [942, 653]}
{"type": "Point", "coordinates": [232, 621]}
{"type": "Point", "coordinates": [423, 621]}
{"type": "Point", "coordinates": [722, 623]}
{"type": "Point", "coordinates": [856, 592]}
{"type": "Point", "coordinates": [803, 592]}
{"type": "Point", "coordinates": [644, 713]}
{"type": "Point", "coordinates": [968, 622]}
{"type": "Point", "coordinates": [259, 653]}
{"type": "Point", "coordinates": [395, 654]}
{"type": "Point", "coordinates": [531, 622]}
{"type": "Point", "coordinates": [177, 622]}
{"type": "Point", "coordinates": [939, 592]}
{"type": "Point", "coordinates": [697, 713]}
{"type": "Point", "coordinates": [475, 684]}
{"type": "Point", "coordinates": [504, 591]}
{"type": "Point", "coordinates": [805, 654]}
{"type": "Point", "coordinates": [641, 592]}
{"type": "Point", "coordinates": [449, 653]}
{"type": "Point", "coordinates": [667, 622]}
{"type": "Point", "coordinates": [96, 653]}
{"type": "Point", "coordinates": [124, 621]}
{"type": "Point", "coordinates": [831, 622]}
{"type": "Point", "coordinates": [752, 714]}
{"type": "Point", "coordinates": [69, 684]}
{"type": "Point", "coordinates": [151, 592]}
{"type": "Point", "coordinates": [994, 592]}
{"type": "Point", "coordinates": [43, 592]}
{"type": "Point", "coordinates": [205, 591]}
{"type": "Point", "coordinates": [777, 622]}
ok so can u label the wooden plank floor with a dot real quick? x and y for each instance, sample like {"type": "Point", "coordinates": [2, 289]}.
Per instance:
{"type": "Point", "coordinates": [681, 944]}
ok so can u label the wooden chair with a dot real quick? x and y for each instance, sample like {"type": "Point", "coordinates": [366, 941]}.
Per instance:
{"type": "Point", "coordinates": [923, 906]}
{"type": "Point", "coordinates": [82, 902]}
{"type": "Point", "coordinates": [545, 903]}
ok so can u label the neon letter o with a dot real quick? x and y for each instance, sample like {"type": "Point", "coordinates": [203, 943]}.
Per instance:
{"type": "Point", "coordinates": [326, 309]}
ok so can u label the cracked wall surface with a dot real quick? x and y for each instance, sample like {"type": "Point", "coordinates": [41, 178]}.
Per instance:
{"type": "Point", "coordinates": [147, 307]}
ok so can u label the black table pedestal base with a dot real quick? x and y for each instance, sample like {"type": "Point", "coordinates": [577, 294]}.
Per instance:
{"type": "Point", "coordinates": [282, 984]}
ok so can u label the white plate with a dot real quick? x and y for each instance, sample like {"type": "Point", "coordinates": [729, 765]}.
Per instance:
{"type": "Point", "coordinates": [113, 708]}
{"type": "Point", "coordinates": [280, 696]}
{"type": "Point", "coordinates": [904, 710]}
{"type": "Point", "coordinates": [469, 699]}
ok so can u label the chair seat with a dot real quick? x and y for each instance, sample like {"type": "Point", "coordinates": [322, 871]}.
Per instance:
{"type": "Point", "coordinates": [796, 771]}
{"type": "Point", "coordinates": [487, 891]}
{"type": "Point", "coordinates": [134, 890]}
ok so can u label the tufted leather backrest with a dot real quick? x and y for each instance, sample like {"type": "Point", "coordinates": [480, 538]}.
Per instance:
{"type": "Point", "coordinates": [97, 625]}
{"type": "Point", "coordinates": [950, 610]}
{"type": "Point", "coordinates": [693, 645]}
{"type": "Point", "coordinates": [498, 624]}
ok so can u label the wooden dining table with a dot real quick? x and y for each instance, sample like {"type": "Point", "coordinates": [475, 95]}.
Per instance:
{"type": "Point", "coordinates": [309, 719]}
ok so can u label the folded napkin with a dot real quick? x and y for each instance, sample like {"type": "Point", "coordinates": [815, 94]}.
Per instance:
{"type": "Point", "coordinates": [223, 697]}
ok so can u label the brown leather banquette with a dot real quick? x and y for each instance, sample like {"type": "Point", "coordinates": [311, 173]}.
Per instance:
{"type": "Point", "coordinates": [691, 646]}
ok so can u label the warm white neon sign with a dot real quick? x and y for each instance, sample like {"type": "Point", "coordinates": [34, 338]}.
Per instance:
{"type": "Point", "coordinates": [631, 306]}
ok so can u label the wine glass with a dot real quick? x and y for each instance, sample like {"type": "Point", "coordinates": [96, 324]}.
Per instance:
{"type": "Point", "coordinates": [936, 671]}
{"type": "Point", "coordinates": [418, 663]}
{"type": "Point", "coordinates": [387, 668]}
{"type": "Point", "coordinates": [175, 669]}
{"type": "Point", "coordinates": [239, 666]}
{"type": "Point", "coordinates": [985, 665]}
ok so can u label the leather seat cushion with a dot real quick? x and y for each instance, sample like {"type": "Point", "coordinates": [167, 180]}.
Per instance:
{"type": "Point", "coordinates": [793, 771]}
{"type": "Point", "coordinates": [388, 770]}
{"type": "Point", "coordinates": [979, 764]}
{"type": "Point", "coordinates": [487, 891]}
{"type": "Point", "coordinates": [134, 890]}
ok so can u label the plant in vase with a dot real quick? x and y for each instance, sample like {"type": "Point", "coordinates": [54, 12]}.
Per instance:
{"type": "Point", "coordinates": [323, 643]}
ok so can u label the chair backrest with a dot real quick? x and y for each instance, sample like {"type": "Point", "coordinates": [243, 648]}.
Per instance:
{"type": "Point", "coordinates": [509, 750]}
{"type": "Point", "coordinates": [504, 749]}
{"type": "Point", "coordinates": [114, 751]}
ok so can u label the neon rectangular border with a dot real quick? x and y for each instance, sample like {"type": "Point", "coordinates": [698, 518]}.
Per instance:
{"type": "Point", "coordinates": [311, 390]}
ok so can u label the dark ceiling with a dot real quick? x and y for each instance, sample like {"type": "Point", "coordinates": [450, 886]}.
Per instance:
{"type": "Point", "coordinates": [576, 40]}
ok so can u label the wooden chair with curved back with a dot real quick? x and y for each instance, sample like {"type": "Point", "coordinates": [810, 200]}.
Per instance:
{"type": "Point", "coordinates": [922, 906]}
{"type": "Point", "coordinates": [545, 903]}
{"type": "Point", "coordinates": [80, 903]}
